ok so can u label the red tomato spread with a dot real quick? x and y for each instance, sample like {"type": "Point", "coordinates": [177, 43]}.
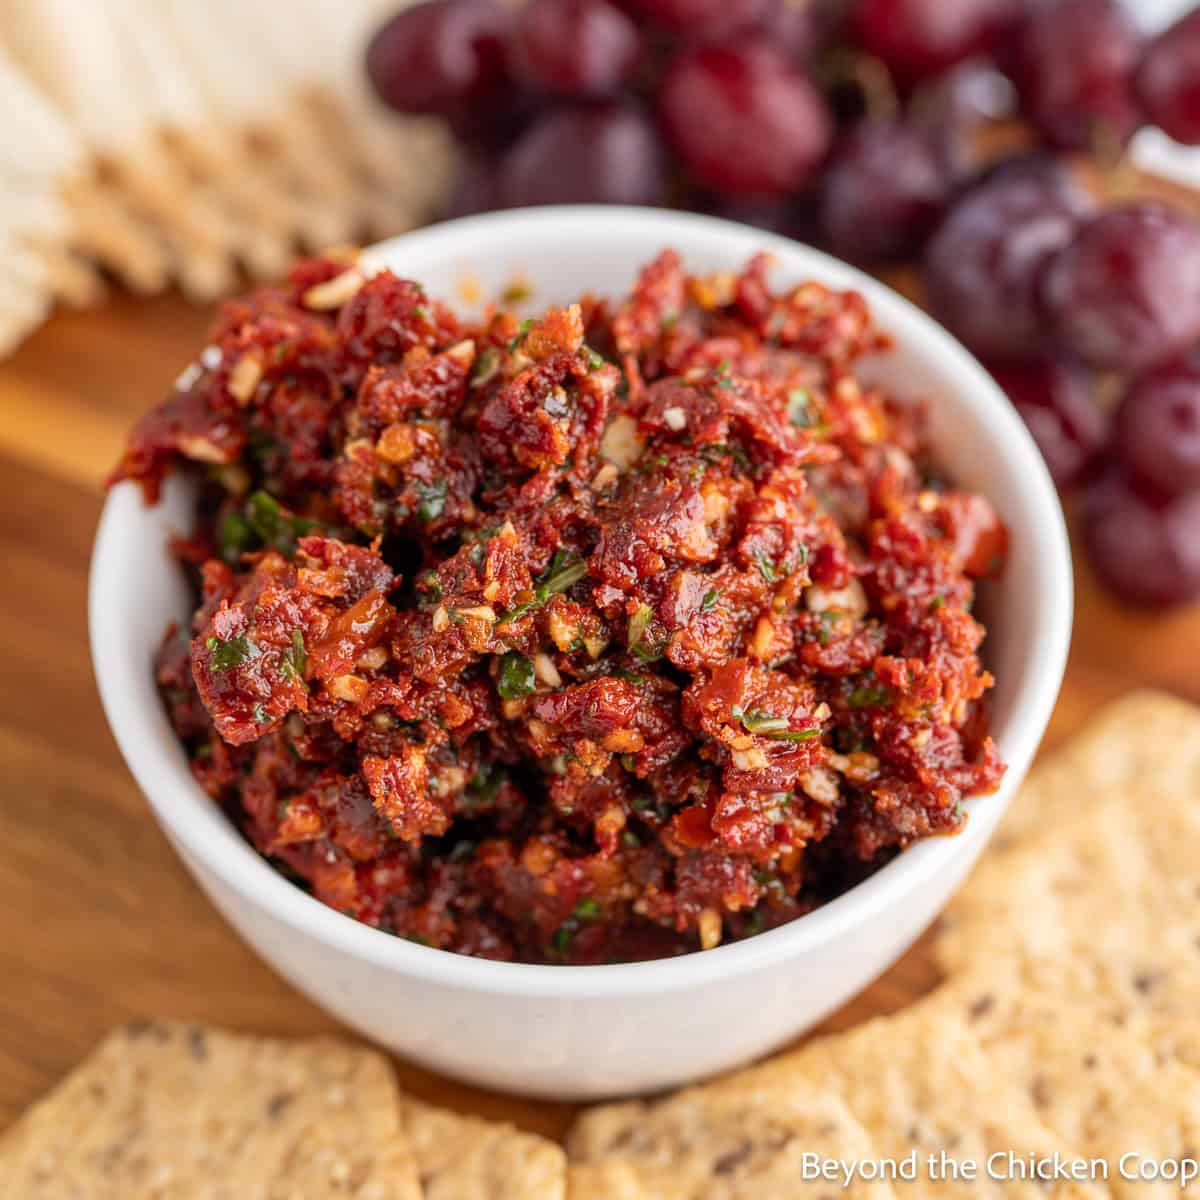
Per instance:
{"type": "Point", "coordinates": [609, 635]}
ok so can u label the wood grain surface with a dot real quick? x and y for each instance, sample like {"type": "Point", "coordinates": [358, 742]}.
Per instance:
{"type": "Point", "coordinates": [98, 919]}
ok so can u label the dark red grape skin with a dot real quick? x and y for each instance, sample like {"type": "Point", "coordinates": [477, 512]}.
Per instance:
{"type": "Point", "coordinates": [578, 48]}
{"type": "Point", "coordinates": [743, 120]}
{"type": "Point", "coordinates": [919, 38]}
{"type": "Point", "coordinates": [1168, 81]}
{"type": "Point", "coordinates": [701, 20]}
{"type": "Point", "coordinates": [883, 192]}
{"type": "Point", "coordinates": [1054, 398]}
{"type": "Point", "coordinates": [476, 187]}
{"type": "Point", "coordinates": [601, 154]}
{"type": "Point", "coordinates": [440, 57]}
{"type": "Point", "coordinates": [983, 264]}
{"type": "Point", "coordinates": [1074, 67]}
{"type": "Point", "coordinates": [1143, 546]}
{"type": "Point", "coordinates": [1125, 294]}
{"type": "Point", "coordinates": [1158, 426]}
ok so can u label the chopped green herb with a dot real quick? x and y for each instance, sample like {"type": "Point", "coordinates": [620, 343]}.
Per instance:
{"type": "Point", "coordinates": [638, 624]}
{"type": "Point", "coordinates": [525, 326]}
{"type": "Point", "coordinates": [295, 657]}
{"type": "Point", "coordinates": [461, 852]}
{"type": "Point", "coordinates": [484, 787]}
{"type": "Point", "coordinates": [433, 500]}
{"type": "Point", "coordinates": [486, 366]}
{"type": "Point", "coordinates": [754, 720]}
{"type": "Point", "coordinates": [274, 526]}
{"type": "Point", "coordinates": [724, 379]}
{"type": "Point", "coordinates": [430, 588]}
{"type": "Point", "coordinates": [802, 553]}
{"type": "Point", "coordinates": [564, 571]}
{"type": "Point", "coordinates": [799, 408]}
{"type": "Point", "coordinates": [234, 536]}
{"type": "Point", "coordinates": [630, 839]}
{"type": "Point", "coordinates": [937, 602]}
{"type": "Point", "coordinates": [594, 361]}
{"type": "Point", "coordinates": [260, 715]}
{"type": "Point", "coordinates": [766, 568]}
{"type": "Point", "coordinates": [796, 735]}
{"type": "Point", "coordinates": [586, 910]}
{"type": "Point", "coordinates": [646, 654]}
{"type": "Point", "coordinates": [422, 313]}
{"type": "Point", "coordinates": [864, 697]}
{"type": "Point", "coordinates": [516, 676]}
{"type": "Point", "coordinates": [563, 936]}
{"type": "Point", "coordinates": [710, 600]}
{"type": "Point", "coordinates": [753, 924]}
{"type": "Point", "coordinates": [232, 653]}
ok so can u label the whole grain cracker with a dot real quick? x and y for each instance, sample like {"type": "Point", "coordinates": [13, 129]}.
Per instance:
{"type": "Point", "coordinates": [739, 1139]}
{"type": "Point", "coordinates": [465, 1158]}
{"type": "Point", "coordinates": [1147, 738]}
{"type": "Point", "coordinates": [921, 1080]}
{"type": "Point", "coordinates": [180, 1112]}
{"type": "Point", "coordinates": [1099, 1084]}
{"type": "Point", "coordinates": [1105, 906]}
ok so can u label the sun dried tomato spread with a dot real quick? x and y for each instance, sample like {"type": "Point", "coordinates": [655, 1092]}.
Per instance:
{"type": "Point", "coordinates": [604, 636]}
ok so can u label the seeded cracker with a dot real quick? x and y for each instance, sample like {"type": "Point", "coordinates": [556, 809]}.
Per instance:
{"type": "Point", "coordinates": [921, 1080]}
{"type": "Point", "coordinates": [180, 1112]}
{"type": "Point", "coordinates": [1098, 1084]}
{"type": "Point", "coordinates": [1105, 908]}
{"type": "Point", "coordinates": [1146, 739]}
{"type": "Point", "coordinates": [464, 1158]}
{"type": "Point", "coordinates": [741, 1138]}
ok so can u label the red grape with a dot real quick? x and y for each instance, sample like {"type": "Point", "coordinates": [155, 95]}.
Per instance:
{"type": "Point", "coordinates": [950, 110]}
{"type": "Point", "coordinates": [575, 47]}
{"type": "Point", "coordinates": [883, 192]}
{"type": "Point", "coordinates": [701, 20]}
{"type": "Point", "coordinates": [1074, 67]}
{"type": "Point", "coordinates": [1158, 426]}
{"type": "Point", "coordinates": [1144, 546]}
{"type": "Point", "coordinates": [440, 57]}
{"type": "Point", "coordinates": [917, 38]}
{"type": "Point", "coordinates": [1126, 292]}
{"type": "Point", "coordinates": [602, 154]}
{"type": "Point", "coordinates": [982, 266]}
{"type": "Point", "coordinates": [743, 120]}
{"type": "Point", "coordinates": [1054, 398]}
{"type": "Point", "coordinates": [1168, 81]}
{"type": "Point", "coordinates": [476, 188]}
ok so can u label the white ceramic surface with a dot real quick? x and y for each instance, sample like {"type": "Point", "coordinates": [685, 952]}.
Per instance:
{"type": "Point", "coordinates": [586, 1032]}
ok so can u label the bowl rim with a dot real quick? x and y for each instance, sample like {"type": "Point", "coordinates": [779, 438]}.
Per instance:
{"type": "Point", "coordinates": [199, 830]}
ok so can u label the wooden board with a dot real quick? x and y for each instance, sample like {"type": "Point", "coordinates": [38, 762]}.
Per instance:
{"type": "Point", "coordinates": [98, 919]}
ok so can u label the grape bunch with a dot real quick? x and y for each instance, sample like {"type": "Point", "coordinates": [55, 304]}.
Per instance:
{"type": "Point", "coordinates": [860, 126]}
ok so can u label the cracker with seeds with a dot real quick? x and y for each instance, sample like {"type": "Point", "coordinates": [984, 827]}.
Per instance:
{"type": "Point", "coordinates": [741, 1138]}
{"type": "Point", "coordinates": [921, 1080]}
{"type": "Point", "coordinates": [465, 1158]}
{"type": "Point", "coordinates": [187, 1113]}
{"type": "Point", "coordinates": [1146, 739]}
{"type": "Point", "coordinates": [1104, 906]}
{"type": "Point", "coordinates": [918, 1081]}
{"type": "Point", "coordinates": [1098, 1084]}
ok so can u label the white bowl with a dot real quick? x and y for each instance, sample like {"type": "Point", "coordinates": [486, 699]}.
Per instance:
{"type": "Point", "coordinates": [587, 1032]}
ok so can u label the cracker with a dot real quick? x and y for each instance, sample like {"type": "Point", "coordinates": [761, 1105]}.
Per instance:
{"type": "Point", "coordinates": [1147, 738]}
{"type": "Point", "coordinates": [921, 1080]}
{"type": "Point", "coordinates": [1097, 1082]}
{"type": "Point", "coordinates": [739, 1139]}
{"type": "Point", "coordinates": [1106, 906]}
{"type": "Point", "coordinates": [465, 1158]}
{"type": "Point", "coordinates": [182, 1112]}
